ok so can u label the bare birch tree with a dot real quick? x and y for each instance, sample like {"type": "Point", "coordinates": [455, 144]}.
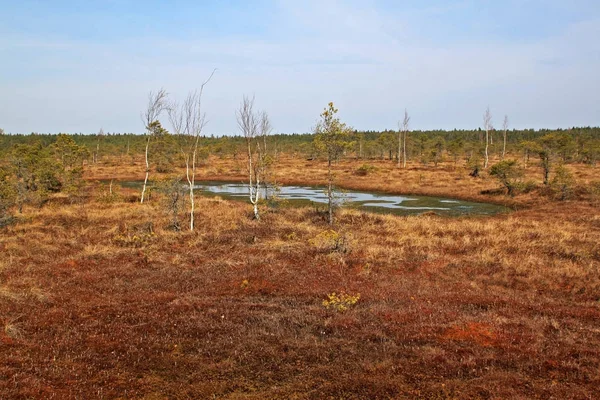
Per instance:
{"type": "Point", "coordinates": [504, 131]}
{"type": "Point", "coordinates": [99, 136]}
{"type": "Point", "coordinates": [188, 121]}
{"type": "Point", "coordinates": [157, 102]}
{"type": "Point", "coordinates": [402, 132]}
{"type": "Point", "coordinates": [248, 125]}
{"type": "Point", "coordinates": [487, 125]}
{"type": "Point", "coordinates": [255, 128]}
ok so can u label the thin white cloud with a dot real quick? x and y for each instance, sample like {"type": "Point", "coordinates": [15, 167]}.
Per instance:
{"type": "Point", "coordinates": [352, 53]}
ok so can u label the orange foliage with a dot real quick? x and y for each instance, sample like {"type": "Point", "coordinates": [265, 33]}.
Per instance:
{"type": "Point", "coordinates": [474, 332]}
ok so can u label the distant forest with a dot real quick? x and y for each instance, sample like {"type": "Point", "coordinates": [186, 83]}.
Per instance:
{"type": "Point", "coordinates": [570, 145]}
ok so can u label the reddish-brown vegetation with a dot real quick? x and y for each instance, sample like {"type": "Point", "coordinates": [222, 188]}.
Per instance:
{"type": "Point", "coordinates": [101, 300]}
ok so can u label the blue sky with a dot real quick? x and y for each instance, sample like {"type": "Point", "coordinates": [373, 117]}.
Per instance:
{"type": "Point", "coordinates": [78, 66]}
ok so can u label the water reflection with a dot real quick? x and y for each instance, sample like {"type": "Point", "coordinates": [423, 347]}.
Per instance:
{"type": "Point", "coordinates": [396, 204]}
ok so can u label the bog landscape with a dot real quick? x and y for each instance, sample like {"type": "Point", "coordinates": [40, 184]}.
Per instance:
{"type": "Point", "coordinates": [129, 271]}
{"type": "Point", "coordinates": [306, 200]}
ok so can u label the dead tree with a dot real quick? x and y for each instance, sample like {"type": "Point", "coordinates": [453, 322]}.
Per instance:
{"type": "Point", "coordinates": [157, 102]}
{"type": "Point", "coordinates": [402, 132]}
{"type": "Point", "coordinates": [99, 136]}
{"type": "Point", "coordinates": [188, 121]}
{"type": "Point", "coordinates": [487, 125]}
{"type": "Point", "coordinates": [504, 130]}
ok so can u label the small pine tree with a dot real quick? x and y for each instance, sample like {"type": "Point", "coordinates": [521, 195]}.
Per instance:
{"type": "Point", "coordinates": [333, 138]}
{"type": "Point", "coordinates": [508, 173]}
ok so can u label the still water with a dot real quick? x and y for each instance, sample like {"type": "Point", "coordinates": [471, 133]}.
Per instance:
{"type": "Point", "coordinates": [368, 201]}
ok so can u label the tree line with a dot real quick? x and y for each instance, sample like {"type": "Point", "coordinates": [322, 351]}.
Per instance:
{"type": "Point", "coordinates": [425, 146]}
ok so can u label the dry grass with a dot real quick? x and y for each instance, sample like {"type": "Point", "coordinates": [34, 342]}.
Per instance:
{"type": "Point", "coordinates": [101, 301]}
{"type": "Point", "coordinates": [447, 179]}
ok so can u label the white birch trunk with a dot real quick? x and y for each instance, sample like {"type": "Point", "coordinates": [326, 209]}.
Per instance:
{"type": "Point", "coordinates": [404, 150]}
{"type": "Point", "coordinates": [147, 171]}
{"type": "Point", "coordinates": [190, 180]}
{"type": "Point", "coordinates": [399, 146]}
{"type": "Point", "coordinates": [330, 191]}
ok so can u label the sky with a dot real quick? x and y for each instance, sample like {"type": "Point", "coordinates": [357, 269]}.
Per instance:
{"type": "Point", "coordinates": [78, 66]}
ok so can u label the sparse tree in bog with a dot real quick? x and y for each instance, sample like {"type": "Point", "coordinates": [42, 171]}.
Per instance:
{"type": "Point", "coordinates": [437, 149]}
{"type": "Point", "coordinates": [70, 156]}
{"type": "Point", "coordinates": [360, 143]}
{"type": "Point", "coordinates": [508, 173]}
{"type": "Point", "coordinates": [529, 147]}
{"type": "Point", "coordinates": [99, 137]}
{"type": "Point", "coordinates": [504, 132]}
{"type": "Point", "coordinates": [188, 121]}
{"type": "Point", "coordinates": [386, 145]}
{"type": "Point", "coordinates": [402, 132]}
{"type": "Point", "coordinates": [157, 102]}
{"type": "Point", "coordinates": [563, 183]}
{"type": "Point", "coordinates": [565, 146]}
{"type": "Point", "coordinates": [8, 194]}
{"type": "Point", "coordinates": [421, 144]}
{"type": "Point", "coordinates": [331, 137]}
{"type": "Point", "coordinates": [164, 148]}
{"type": "Point", "coordinates": [255, 128]}
{"type": "Point", "coordinates": [36, 174]}
{"type": "Point", "coordinates": [590, 152]}
{"type": "Point", "coordinates": [487, 125]}
{"type": "Point", "coordinates": [546, 147]}
{"type": "Point", "coordinates": [456, 147]}
{"type": "Point", "coordinates": [68, 153]}
{"type": "Point", "coordinates": [266, 162]}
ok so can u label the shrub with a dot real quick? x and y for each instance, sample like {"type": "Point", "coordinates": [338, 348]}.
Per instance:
{"type": "Point", "coordinates": [135, 240]}
{"type": "Point", "coordinates": [7, 192]}
{"type": "Point", "coordinates": [35, 173]}
{"type": "Point", "coordinates": [331, 241]}
{"type": "Point", "coordinates": [110, 194]}
{"type": "Point", "coordinates": [525, 187]}
{"type": "Point", "coordinates": [562, 184]}
{"type": "Point", "coordinates": [291, 236]}
{"type": "Point", "coordinates": [340, 302]}
{"type": "Point", "coordinates": [172, 193]}
{"type": "Point", "coordinates": [365, 170]}
{"type": "Point", "coordinates": [138, 236]}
